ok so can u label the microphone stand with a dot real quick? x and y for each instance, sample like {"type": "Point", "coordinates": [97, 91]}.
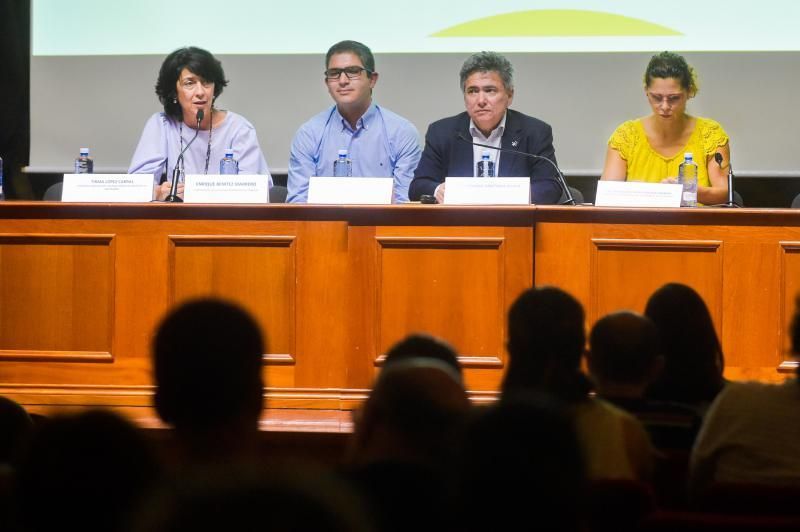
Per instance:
{"type": "Point", "coordinates": [561, 181]}
{"type": "Point", "coordinates": [730, 203]}
{"type": "Point", "coordinates": [176, 172]}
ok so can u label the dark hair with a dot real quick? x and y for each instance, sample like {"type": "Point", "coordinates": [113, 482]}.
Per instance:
{"type": "Point", "coordinates": [423, 346]}
{"type": "Point", "coordinates": [200, 62]}
{"type": "Point", "coordinates": [794, 331]}
{"type": "Point", "coordinates": [16, 427]}
{"type": "Point", "coordinates": [488, 62]}
{"type": "Point", "coordinates": [422, 402]}
{"type": "Point", "coordinates": [693, 359]}
{"type": "Point", "coordinates": [528, 451]}
{"type": "Point", "coordinates": [95, 456]}
{"type": "Point", "coordinates": [623, 348]}
{"type": "Point", "coordinates": [671, 65]}
{"type": "Point", "coordinates": [546, 338]}
{"type": "Point", "coordinates": [236, 497]}
{"type": "Point", "coordinates": [361, 50]}
{"type": "Point", "coordinates": [207, 364]}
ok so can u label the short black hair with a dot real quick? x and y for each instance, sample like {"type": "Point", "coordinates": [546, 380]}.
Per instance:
{"type": "Point", "coordinates": [671, 65]}
{"type": "Point", "coordinates": [198, 61]}
{"type": "Point", "coordinates": [421, 345]}
{"type": "Point", "coordinates": [624, 346]}
{"type": "Point", "coordinates": [361, 50]}
{"type": "Point", "coordinates": [546, 338]}
{"type": "Point", "coordinates": [207, 359]}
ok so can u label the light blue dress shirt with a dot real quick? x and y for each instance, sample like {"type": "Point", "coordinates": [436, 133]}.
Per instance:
{"type": "Point", "coordinates": [383, 144]}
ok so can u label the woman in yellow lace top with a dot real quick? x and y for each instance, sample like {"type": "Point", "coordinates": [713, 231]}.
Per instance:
{"type": "Point", "coordinates": [651, 148]}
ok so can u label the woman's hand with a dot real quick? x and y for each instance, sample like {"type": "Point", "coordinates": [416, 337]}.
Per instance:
{"type": "Point", "coordinates": [162, 190]}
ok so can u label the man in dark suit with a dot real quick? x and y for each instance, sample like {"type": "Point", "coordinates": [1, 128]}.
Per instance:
{"type": "Point", "coordinates": [487, 82]}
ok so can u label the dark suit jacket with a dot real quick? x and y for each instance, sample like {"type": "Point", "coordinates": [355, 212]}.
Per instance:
{"type": "Point", "coordinates": [447, 156]}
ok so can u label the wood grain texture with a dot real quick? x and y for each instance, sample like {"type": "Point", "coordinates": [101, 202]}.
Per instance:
{"type": "Point", "coordinates": [59, 298]}
{"type": "Point", "coordinates": [744, 273]}
{"type": "Point", "coordinates": [84, 286]}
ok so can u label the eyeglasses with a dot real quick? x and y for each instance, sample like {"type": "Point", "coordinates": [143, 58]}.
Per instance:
{"type": "Point", "coordinates": [190, 84]}
{"type": "Point", "coordinates": [671, 99]}
{"type": "Point", "coordinates": [352, 72]}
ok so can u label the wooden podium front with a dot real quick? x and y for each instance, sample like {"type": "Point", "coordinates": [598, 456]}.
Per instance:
{"type": "Point", "coordinates": [84, 287]}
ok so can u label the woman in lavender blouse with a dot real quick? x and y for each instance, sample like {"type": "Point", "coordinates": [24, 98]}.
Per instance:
{"type": "Point", "coordinates": [190, 80]}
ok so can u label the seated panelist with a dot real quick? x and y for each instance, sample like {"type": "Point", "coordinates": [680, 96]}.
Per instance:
{"type": "Point", "coordinates": [378, 142]}
{"type": "Point", "coordinates": [190, 80]}
{"type": "Point", "coordinates": [488, 87]}
{"type": "Point", "coordinates": [651, 148]}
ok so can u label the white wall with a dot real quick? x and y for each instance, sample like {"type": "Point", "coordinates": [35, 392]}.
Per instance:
{"type": "Point", "coordinates": [103, 101]}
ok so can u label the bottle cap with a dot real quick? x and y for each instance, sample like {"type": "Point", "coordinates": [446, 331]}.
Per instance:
{"type": "Point", "coordinates": [486, 154]}
{"type": "Point", "coordinates": [84, 151]}
{"type": "Point", "coordinates": [687, 155]}
{"type": "Point", "coordinates": [342, 153]}
{"type": "Point", "coordinates": [229, 154]}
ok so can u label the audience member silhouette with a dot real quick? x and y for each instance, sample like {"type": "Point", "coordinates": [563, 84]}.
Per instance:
{"type": "Point", "coordinates": [520, 468]}
{"type": "Point", "coordinates": [693, 360]}
{"type": "Point", "coordinates": [403, 443]}
{"type": "Point", "coordinates": [623, 360]}
{"type": "Point", "coordinates": [86, 471]}
{"type": "Point", "coordinates": [546, 339]}
{"type": "Point", "coordinates": [207, 359]}
{"type": "Point", "coordinates": [239, 499]}
{"type": "Point", "coordinates": [15, 429]}
{"type": "Point", "coordinates": [751, 433]}
{"type": "Point", "coordinates": [425, 346]}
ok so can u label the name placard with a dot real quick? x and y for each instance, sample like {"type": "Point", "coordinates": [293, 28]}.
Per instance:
{"type": "Point", "coordinates": [487, 190]}
{"type": "Point", "coordinates": [107, 188]}
{"type": "Point", "coordinates": [637, 194]}
{"type": "Point", "coordinates": [239, 188]}
{"type": "Point", "coordinates": [350, 190]}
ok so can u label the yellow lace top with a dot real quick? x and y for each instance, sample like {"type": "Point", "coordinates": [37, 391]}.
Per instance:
{"type": "Point", "coordinates": [645, 164]}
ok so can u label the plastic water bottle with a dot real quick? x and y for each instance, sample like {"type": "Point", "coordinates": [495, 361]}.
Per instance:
{"type": "Point", "coordinates": [485, 166]}
{"type": "Point", "coordinates": [687, 176]}
{"type": "Point", "coordinates": [228, 165]}
{"type": "Point", "coordinates": [84, 164]}
{"type": "Point", "coordinates": [342, 167]}
{"type": "Point", "coordinates": [2, 192]}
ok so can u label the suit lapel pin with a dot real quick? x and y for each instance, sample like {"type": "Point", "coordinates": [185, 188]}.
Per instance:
{"type": "Point", "coordinates": [514, 143]}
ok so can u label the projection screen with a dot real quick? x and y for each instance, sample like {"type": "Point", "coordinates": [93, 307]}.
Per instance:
{"type": "Point", "coordinates": [578, 65]}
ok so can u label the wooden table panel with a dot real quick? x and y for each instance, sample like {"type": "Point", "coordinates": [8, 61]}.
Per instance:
{"type": "Point", "coordinates": [58, 301]}
{"type": "Point", "coordinates": [624, 272]}
{"type": "Point", "coordinates": [257, 272]}
{"type": "Point", "coordinates": [432, 284]}
{"type": "Point", "coordinates": [334, 287]}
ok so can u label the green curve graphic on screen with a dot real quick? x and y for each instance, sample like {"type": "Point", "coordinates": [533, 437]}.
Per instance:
{"type": "Point", "coordinates": [556, 23]}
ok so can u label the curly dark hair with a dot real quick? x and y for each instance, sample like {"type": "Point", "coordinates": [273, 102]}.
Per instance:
{"type": "Point", "coordinates": [198, 61]}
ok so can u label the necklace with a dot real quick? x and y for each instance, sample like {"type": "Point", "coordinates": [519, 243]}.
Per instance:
{"type": "Point", "coordinates": [208, 148]}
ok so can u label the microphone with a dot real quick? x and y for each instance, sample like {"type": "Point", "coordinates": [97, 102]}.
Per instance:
{"type": "Point", "coordinates": [731, 203]}
{"type": "Point", "coordinates": [176, 172]}
{"type": "Point", "coordinates": [561, 181]}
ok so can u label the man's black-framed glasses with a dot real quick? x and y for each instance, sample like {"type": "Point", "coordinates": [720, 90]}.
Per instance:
{"type": "Point", "coordinates": [352, 72]}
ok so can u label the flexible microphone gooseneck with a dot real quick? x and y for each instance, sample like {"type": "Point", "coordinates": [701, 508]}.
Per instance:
{"type": "Point", "coordinates": [731, 203]}
{"type": "Point", "coordinates": [561, 181]}
{"type": "Point", "coordinates": [176, 172]}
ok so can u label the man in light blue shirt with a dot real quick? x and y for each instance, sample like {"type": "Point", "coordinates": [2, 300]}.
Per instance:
{"type": "Point", "coordinates": [379, 142]}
